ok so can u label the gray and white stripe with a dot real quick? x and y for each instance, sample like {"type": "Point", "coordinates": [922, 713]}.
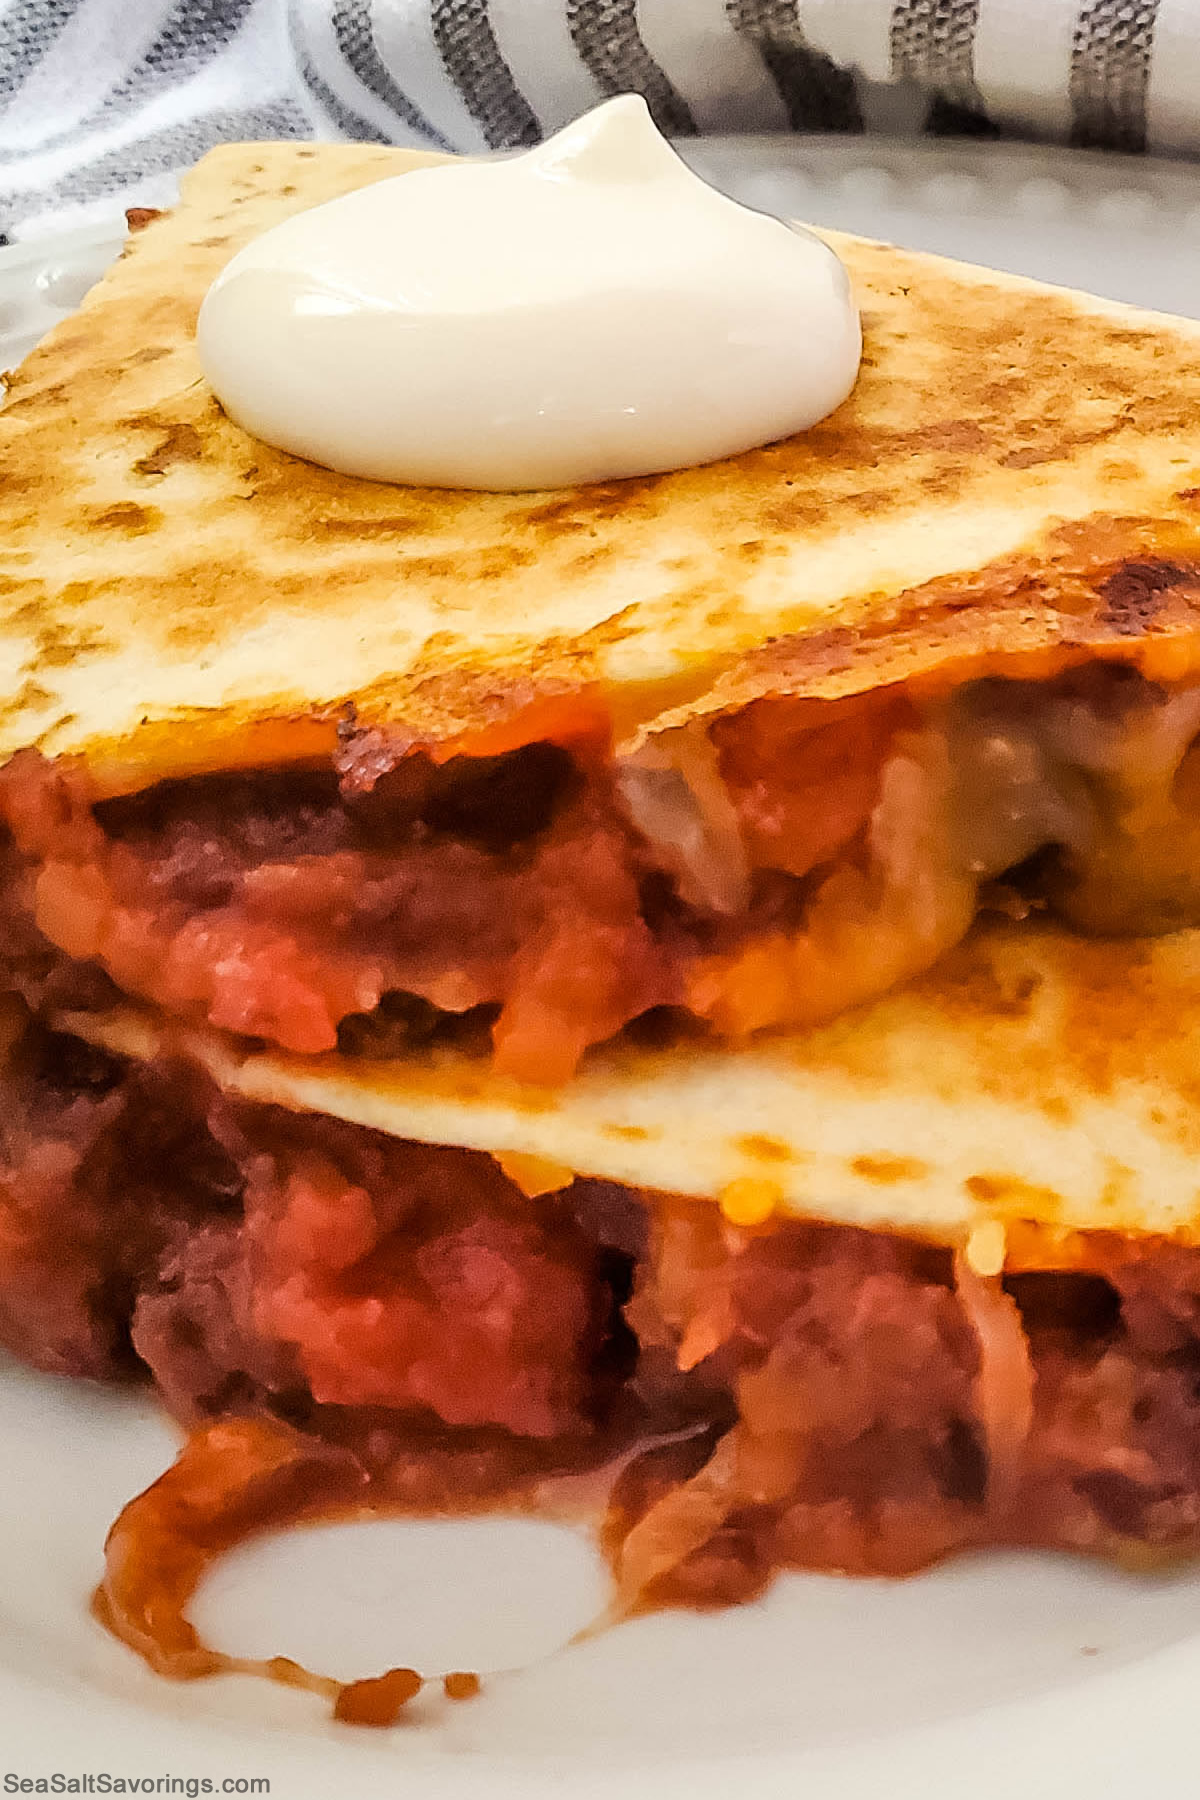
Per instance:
{"type": "Point", "coordinates": [605, 34]}
{"type": "Point", "coordinates": [27, 33]}
{"type": "Point", "coordinates": [345, 123]}
{"type": "Point", "coordinates": [1174, 83]}
{"type": "Point", "coordinates": [817, 95]}
{"type": "Point", "coordinates": [1110, 73]}
{"type": "Point", "coordinates": [173, 148]}
{"type": "Point", "coordinates": [717, 69]}
{"type": "Point", "coordinates": [189, 35]}
{"type": "Point", "coordinates": [107, 101]}
{"type": "Point", "coordinates": [354, 30]}
{"type": "Point", "coordinates": [933, 42]}
{"type": "Point", "coordinates": [100, 100]}
{"type": "Point", "coordinates": [463, 32]}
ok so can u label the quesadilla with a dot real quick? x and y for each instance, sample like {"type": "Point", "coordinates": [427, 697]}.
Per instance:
{"type": "Point", "coordinates": [688, 979]}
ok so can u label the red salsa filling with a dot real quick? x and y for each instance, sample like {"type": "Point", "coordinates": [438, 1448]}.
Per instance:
{"type": "Point", "coordinates": [771, 866]}
{"type": "Point", "coordinates": [513, 894]}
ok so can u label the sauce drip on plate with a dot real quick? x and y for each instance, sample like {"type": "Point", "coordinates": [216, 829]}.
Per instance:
{"type": "Point", "coordinates": [233, 1480]}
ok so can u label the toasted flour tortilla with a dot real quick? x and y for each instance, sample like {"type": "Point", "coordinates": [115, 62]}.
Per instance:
{"type": "Point", "coordinates": [1033, 1076]}
{"type": "Point", "coordinates": [1015, 480]}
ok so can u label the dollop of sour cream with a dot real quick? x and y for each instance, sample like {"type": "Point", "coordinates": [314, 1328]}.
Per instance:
{"type": "Point", "coordinates": [586, 310]}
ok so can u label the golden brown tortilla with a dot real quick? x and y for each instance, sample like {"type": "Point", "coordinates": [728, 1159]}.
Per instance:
{"type": "Point", "coordinates": [1031, 1077]}
{"type": "Point", "coordinates": [1016, 478]}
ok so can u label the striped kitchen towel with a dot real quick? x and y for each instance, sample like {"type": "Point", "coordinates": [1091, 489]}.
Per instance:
{"type": "Point", "coordinates": [101, 101]}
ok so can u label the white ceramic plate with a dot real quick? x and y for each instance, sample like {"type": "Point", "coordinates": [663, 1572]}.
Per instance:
{"type": "Point", "coordinates": [996, 1676]}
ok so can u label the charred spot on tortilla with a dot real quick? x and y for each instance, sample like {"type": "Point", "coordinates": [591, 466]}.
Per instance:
{"type": "Point", "coordinates": [1133, 594]}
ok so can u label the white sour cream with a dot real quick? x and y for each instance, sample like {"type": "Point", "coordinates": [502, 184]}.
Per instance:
{"type": "Point", "coordinates": [586, 310]}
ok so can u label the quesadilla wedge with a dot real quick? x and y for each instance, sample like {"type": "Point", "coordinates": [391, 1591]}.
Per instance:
{"type": "Point", "coordinates": [343, 765]}
{"type": "Point", "coordinates": [686, 982]}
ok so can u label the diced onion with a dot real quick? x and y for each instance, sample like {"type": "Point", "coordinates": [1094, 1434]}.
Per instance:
{"type": "Point", "coordinates": [1004, 1383]}
{"type": "Point", "coordinates": [676, 798]}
